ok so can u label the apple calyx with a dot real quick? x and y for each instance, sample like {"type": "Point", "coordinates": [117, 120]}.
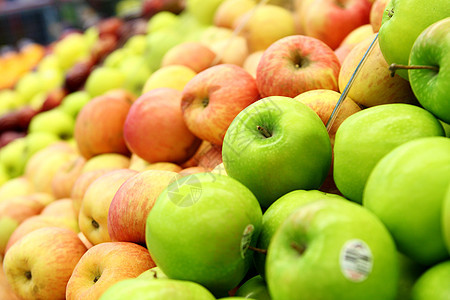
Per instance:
{"type": "Point", "coordinates": [299, 248]}
{"type": "Point", "coordinates": [28, 275]}
{"type": "Point", "coordinates": [394, 67]}
{"type": "Point", "coordinates": [205, 102]}
{"type": "Point", "coordinates": [95, 224]}
{"type": "Point", "coordinates": [263, 251]}
{"type": "Point", "coordinates": [264, 131]}
{"type": "Point", "coordinates": [96, 278]}
{"type": "Point", "coordinates": [390, 13]}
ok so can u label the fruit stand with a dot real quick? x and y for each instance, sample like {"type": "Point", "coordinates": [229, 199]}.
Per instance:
{"type": "Point", "coordinates": [225, 149]}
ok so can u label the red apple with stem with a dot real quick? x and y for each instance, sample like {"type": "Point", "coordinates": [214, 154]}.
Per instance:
{"type": "Point", "coordinates": [296, 64]}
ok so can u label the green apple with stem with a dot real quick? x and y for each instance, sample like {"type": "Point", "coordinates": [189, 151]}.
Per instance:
{"type": "Point", "coordinates": [366, 136]}
{"type": "Point", "coordinates": [433, 283]}
{"type": "Point", "coordinates": [152, 274]}
{"type": "Point", "coordinates": [332, 249]}
{"type": "Point", "coordinates": [403, 21]}
{"type": "Point", "coordinates": [429, 69]}
{"type": "Point", "coordinates": [275, 215]}
{"type": "Point", "coordinates": [136, 288]}
{"type": "Point", "coordinates": [218, 218]}
{"type": "Point", "coordinates": [254, 288]}
{"type": "Point", "coordinates": [406, 191]}
{"type": "Point", "coordinates": [277, 145]}
{"type": "Point", "coordinates": [53, 121]}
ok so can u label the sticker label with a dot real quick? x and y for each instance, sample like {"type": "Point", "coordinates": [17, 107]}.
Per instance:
{"type": "Point", "coordinates": [356, 260]}
{"type": "Point", "coordinates": [246, 238]}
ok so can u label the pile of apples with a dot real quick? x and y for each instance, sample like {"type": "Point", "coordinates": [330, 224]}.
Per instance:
{"type": "Point", "coordinates": [210, 156]}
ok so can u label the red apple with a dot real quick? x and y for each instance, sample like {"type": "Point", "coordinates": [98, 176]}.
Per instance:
{"type": "Point", "coordinates": [332, 20]}
{"type": "Point", "coordinates": [214, 97]}
{"type": "Point", "coordinates": [99, 126]}
{"type": "Point", "coordinates": [156, 130]}
{"type": "Point", "coordinates": [192, 170]}
{"type": "Point", "coordinates": [352, 39]}
{"type": "Point", "coordinates": [127, 216]}
{"type": "Point", "coordinates": [105, 264]}
{"type": "Point", "coordinates": [296, 64]}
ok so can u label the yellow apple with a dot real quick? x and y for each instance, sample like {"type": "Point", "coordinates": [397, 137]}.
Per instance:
{"type": "Point", "coordinates": [251, 62]}
{"type": "Point", "coordinates": [233, 50]}
{"type": "Point", "coordinates": [356, 36]}
{"type": "Point", "coordinates": [109, 161]}
{"type": "Point", "coordinates": [65, 177]}
{"type": "Point", "coordinates": [229, 10]}
{"type": "Point", "coordinates": [374, 84]}
{"type": "Point", "coordinates": [18, 186]}
{"type": "Point", "coordinates": [172, 76]}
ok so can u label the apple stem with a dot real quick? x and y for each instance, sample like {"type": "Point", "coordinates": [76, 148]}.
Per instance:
{"type": "Point", "coordinates": [298, 248]}
{"type": "Point", "coordinates": [263, 251]}
{"type": "Point", "coordinates": [95, 224]}
{"type": "Point", "coordinates": [264, 131]}
{"type": "Point", "coordinates": [394, 67]}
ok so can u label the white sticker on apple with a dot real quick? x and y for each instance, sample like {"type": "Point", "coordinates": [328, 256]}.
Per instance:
{"type": "Point", "coordinates": [356, 260]}
{"type": "Point", "coordinates": [246, 238]}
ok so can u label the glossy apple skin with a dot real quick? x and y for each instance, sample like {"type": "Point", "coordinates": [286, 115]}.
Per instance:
{"type": "Point", "coordinates": [406, 191]}
{"type": "Point", "coordinates": [255, 288]}
{"type": "Point", "coordinates": [403, 21]}
{"type": "Point", "coordinates": [105, 264]}
{"type": "Point", "coordinates": [128, 211]}
{"type": "Point", "coordinates": [366, 136]}
{"type": "Point", "coordinates": [296, 64]}
{"type": "Point", "coordinates": [431, 88]}
{"type": "Point", "coordinates": [432, 284]}
{"type": "Point", "coordinates": [50, 254]}
{"type": "Point", "coordinates": [155, 129]}
{"type": "Point", "coordinates": [214, 97]}
{"type": "Point", "coordinates": [218, 218]}
{"type": "Point", "coordinates": [277, 213]}
{"type": "Point", "coordinates": [157, 289]}
{"type": "Point", "coordinates": [296, 155]}
{"type": "Point", "coordinates": [310, 251]}
{"type": "Point", "coordinates": [99, 126]}
{"type": "Point", "coordinates": [374, 84]}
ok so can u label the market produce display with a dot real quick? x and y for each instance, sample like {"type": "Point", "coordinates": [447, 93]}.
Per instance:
{"type": "Point", "coordinates": [230, 149]}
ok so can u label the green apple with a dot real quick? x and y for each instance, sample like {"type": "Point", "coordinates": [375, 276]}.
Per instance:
{"type": "Point", "coordinates": [161, 20]}
{"type": "Point", "coordinates": [403, 21]}
{"type": "Point", "coordinates": [203, 11]}
{"type": "Point", "coordinates": [158, 43]}
{"type": "Point", "coordinates": [406, 191]}
{"type": "Point", "coordinates": [28, 86]}
{"type": "Point", "coordinates": [50, 79]}
{"type": "Point", "coordinates": [254, 288]}
{"type": "Point", "coordinates": [12, 157]}
{"type": "Point", "coordinates": [4, 176]}
{"type": "Point", "coordinates": [446, 219]}
{"type": "Point", "coordinates": [433, 284]}
{"type": "Point", "coordinates": [104, 79]}
{"type": "Point", "coordinates": [218, 219]}
{"type": "Point", "coordinates": [53, 121]}
{"type": "Point", "coordinates": [156, 289]}
{"type": "Point", "coordinates": [91, 36]}
{"type": "Point", "coordinates": [74, 102]}
{"type": "Point", "coordinates": [136, 72]}
{"type": "Point", "coordinates": [332, 249]}
{"type": "Point", "coordinates": [366, 136]}
{"type": "Point", "coordinates": [275, 215]}
{"type": "Point", "coordinates": [153, 273]}
{"type": "Point", "coordinates": [431, 86]}
{"type": "Point", "coordinates": [48, 62]}
{"type": "Point", "coordinates": [114, 59]}
{"type": "Point", "coordinates": [277, 145]}
{"type": "Point", "coordinates": [137, 44]}
{"type": "Point", "coordinates": [10, 100]}
{"type": "Point", "coordinates": [70, 49]}
{"type": "Point", "coordinates": [36, 141]}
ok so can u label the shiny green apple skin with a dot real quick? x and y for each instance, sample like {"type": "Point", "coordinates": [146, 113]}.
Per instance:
{"type": "Point", "coordinates": [406, 190]}
{"type": "Point", "coordinates": [433, 284]}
